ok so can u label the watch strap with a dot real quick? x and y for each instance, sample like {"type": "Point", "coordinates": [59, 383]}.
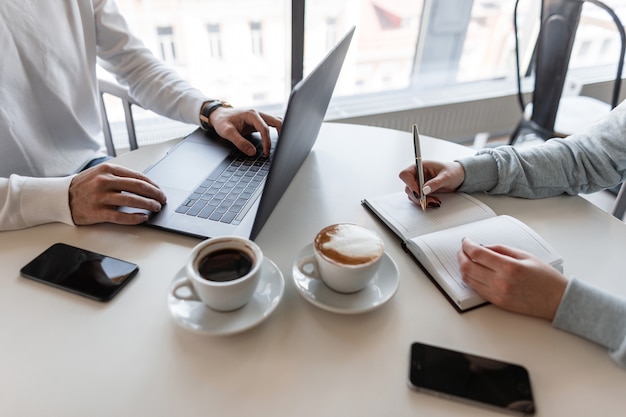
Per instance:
{"type": "Point", "coordinates": [207, 108]}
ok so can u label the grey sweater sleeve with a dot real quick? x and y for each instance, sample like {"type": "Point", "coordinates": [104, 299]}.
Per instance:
{"type": "Point", "coordinates": [582, 163]}
{"type": "Point", "coordinates": [595, 315]}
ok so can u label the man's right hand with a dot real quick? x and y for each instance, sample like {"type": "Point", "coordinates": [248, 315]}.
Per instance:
{"type": "Point", "coordinates": [95, 194]}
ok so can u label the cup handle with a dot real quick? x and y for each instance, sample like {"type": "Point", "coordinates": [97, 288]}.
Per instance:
{"type": "Point", "coordinates": [312, 271]}
{"type": "Point", "coordinates": [185, 283]}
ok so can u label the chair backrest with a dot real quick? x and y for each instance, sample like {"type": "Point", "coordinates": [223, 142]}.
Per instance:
{"type": "Point", "coordinates": [619, 206]}
{"type": "Point", "coordinates": [559, 22]}
{"type": "Point", "coordinates": [116, 90]}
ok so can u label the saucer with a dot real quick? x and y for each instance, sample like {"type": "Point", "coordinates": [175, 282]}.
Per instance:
{"type": "Point", "coordinates": [378, 292]}
{"type": "Point", "coordinates": [195, 316]}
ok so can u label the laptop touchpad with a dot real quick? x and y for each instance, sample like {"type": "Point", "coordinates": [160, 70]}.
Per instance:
{"type": "Point", "coordinates": [190, 164]}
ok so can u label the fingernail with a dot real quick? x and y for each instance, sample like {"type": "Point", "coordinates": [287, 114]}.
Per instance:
{"type": "Point", "coordinates": [433, 204]}
{"type": "Point", "coordinates": [427, 190]}
{"type": "Point", "coordinates": [415, 195]}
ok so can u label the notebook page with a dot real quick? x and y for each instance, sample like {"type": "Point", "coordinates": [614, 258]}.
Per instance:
{"type": "Point", "coordinates": [440, 248]}
{"type": "Point", "coordinates": [408, 220]}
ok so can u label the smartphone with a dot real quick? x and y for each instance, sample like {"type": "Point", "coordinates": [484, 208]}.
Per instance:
{"type": "Point", "coordinates": [95, 276]}
{"type": "Point", "coordinates": [472, 379]}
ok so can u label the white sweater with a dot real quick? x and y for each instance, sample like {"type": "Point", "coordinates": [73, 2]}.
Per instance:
{"type": "Point", "coordinates": [49, 105]}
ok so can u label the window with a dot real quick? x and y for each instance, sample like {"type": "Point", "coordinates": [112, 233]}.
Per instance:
{"type": "Point", "coordinates": [402, 48]}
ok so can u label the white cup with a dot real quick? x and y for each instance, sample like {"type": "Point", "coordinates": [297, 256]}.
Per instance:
{"type": "Point", "coordinates": [222, 273]}
{"type": "Point", "coordinates": [346, 257]}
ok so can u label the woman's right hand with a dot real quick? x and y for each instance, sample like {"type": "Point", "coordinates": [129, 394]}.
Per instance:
{"type": "Point", "coordinates": [441, 177]}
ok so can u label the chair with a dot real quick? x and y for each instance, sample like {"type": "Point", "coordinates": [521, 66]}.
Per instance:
{"type": "Point", "coordinates": [116, 90]}
{"type": "Point", "coordinates": [619, 207]}
{"type": "Point", "coordinates": [559, 21]}
{"type": "Point", "coordinates": [142, 125]}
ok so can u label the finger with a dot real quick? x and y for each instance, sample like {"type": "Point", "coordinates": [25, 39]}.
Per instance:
{"type": "Point", "coordinates": [408, 176]}
{"type": "Point", "coordinates": [119, 217]}
{"type": "Point", "coordinates": [136, 182]}
{"type": "Point", "coordinates": [432, 201]}
{"type": "Point", "coordinates": [121, 171]}
{"type": "Point", "coordinates": [473, 274]}
{"type": "Point", "coordinates": [134, 201]}
{"type": "Point", "coordinates": [413, 196]}
{"type": "Point", "coordinates": [480, 254]}
{"type": "Point", "coordinates": [275, 122]}
{"type": "Point", "coordinates": [231, 134]}
{"type": "Point", "coordinates": [125, 187]}
{"type": "Point", "coordinates": [259, 124]}
{"type": "Point", "coordinates": [509, 251]}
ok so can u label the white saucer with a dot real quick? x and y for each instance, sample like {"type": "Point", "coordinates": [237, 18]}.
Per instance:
{"type": "Point", "coordinates": [377, 293]}
{"type": "Point", "coordinates": [195, 316]}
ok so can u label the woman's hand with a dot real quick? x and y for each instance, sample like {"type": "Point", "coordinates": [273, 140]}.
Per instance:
{"type": "Point", "coordinates": [438, 176]}
{"type": "Point", "coordinates": [512, 279]}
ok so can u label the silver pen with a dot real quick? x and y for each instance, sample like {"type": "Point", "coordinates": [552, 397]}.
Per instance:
{"type": "Point", "coordinates": [418, 164]}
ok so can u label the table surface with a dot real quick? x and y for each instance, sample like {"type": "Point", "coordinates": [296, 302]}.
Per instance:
{"type": "Point", "coordinates": [63, 355]}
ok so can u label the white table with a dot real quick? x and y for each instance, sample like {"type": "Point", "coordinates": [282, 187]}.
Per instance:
{"type": "Point", "coordinates": [63, 355]}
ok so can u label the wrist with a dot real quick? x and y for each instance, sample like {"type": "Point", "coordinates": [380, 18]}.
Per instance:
{"type": "Point", "coordinates": [207, 108]}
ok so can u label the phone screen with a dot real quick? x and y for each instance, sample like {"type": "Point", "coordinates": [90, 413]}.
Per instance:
{"type": "Point", "coordinates": [80, 271]}
{"type": "Point", "coordinates": [471, 378]}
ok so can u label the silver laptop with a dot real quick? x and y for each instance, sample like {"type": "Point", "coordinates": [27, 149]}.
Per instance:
{"type": "Point", "coordinates": [214, 190]}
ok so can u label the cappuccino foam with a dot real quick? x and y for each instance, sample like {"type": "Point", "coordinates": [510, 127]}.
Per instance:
{"type": "Point", "coordinates": [349, 244]}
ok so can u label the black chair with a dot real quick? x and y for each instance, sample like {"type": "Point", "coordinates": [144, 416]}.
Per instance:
{"type": "Point", "coordinates": [559, 22]}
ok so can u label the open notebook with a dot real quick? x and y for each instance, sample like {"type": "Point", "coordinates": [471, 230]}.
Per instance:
{"type": "Point", "coordinates": [434, 237]}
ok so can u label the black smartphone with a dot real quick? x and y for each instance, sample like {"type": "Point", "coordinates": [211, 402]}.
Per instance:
{"type": "Point", "coordinates": [80, 271]}
{"type": "Point", "coordinates": [469, 378]}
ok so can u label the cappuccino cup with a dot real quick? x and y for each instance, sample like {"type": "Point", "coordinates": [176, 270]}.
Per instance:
{"type": "Point", "coordinates": [346, 257]}
{"type": "Point", "coordinates": [222, 273]}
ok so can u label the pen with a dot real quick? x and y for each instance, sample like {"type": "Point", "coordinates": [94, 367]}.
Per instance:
{"type": "Point", "coordinates": [418, 163]}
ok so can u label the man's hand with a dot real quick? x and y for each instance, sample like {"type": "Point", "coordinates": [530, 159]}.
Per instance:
{"type": "Point", "coordinates": [233, 124]}
{"type": "Point", "coordinates": [97, 192]}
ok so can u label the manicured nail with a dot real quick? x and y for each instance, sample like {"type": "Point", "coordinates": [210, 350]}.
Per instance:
{"type": "Point", "coordinates": [427, 190]}
{"type": "Point", "coordinates": [415, 195]}
{"type": "Point", "coordinates": [434, 204]}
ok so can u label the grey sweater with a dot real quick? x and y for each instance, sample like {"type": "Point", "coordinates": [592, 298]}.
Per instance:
{"type": "Point", "coordinates": [582, 163]}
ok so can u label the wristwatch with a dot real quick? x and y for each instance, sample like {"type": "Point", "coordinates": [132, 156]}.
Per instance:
{"type": "Point", "coordinates": [207, 108]}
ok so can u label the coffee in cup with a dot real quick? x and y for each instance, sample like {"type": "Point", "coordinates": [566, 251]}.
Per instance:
{"type": "Point", "coordinates": [346, 257]}
{"type": "Point", "coordinates": [222, 273]}
{"type": "Point", "coordinates": [225, 265]}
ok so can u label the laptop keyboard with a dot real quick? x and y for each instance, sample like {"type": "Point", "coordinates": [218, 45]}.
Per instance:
{"type": "Point", "coordinates": [227, 194]}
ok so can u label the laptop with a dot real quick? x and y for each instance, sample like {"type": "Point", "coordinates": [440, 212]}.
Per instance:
{"type": "Point", "coordinates": [191, 173]}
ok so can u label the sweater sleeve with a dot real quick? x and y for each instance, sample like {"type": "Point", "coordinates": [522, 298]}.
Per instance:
{"type": "Point", "coordinates": [583, 163]}
{"type": "Point", "coordinates": [594, 315]}
{"type": "Point", "coordinates": [27, 201]}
